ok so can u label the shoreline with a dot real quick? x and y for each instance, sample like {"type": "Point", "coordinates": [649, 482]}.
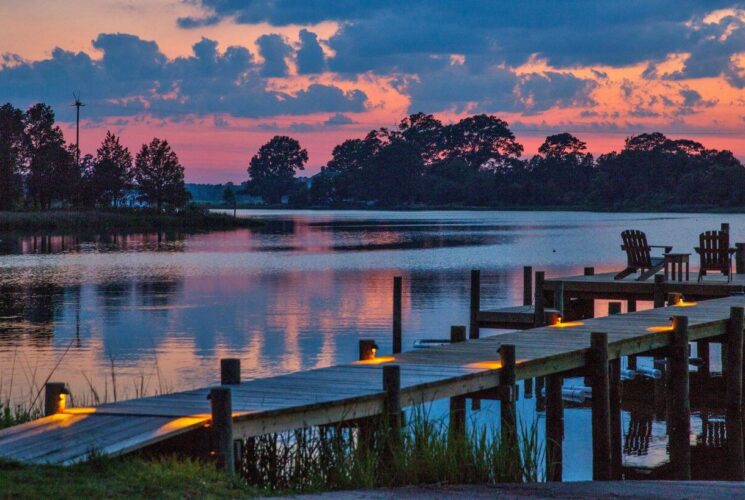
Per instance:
{"type": "Point", "coordinates": [120, 221]}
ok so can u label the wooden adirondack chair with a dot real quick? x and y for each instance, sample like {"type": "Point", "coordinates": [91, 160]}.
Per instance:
{"type": "Point", "coordinates": [715, 253]}
{"type": "Point", "coordinates": [639, 256]}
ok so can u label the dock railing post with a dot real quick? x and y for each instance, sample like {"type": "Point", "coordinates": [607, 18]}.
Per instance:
{"type": "Point", "coordinates": [507, 381]}
{"type": "Point", "coordinates": [734, 410]}
{"type": "Point", "coordinates": [679, 414]}
{"type": "Point", "coordinates": [222, 427]}
{"type": "Point", "coordinates": [528, 285]}
{"type": "Point", "coordinates": [397, 290]}
{"type": "Point", "coordinates": [601, 441]}
{"type": "Point", "coordinates": [739, 258]}
{"type": "Point", "coordinates": [540, 301]}
{"type": "Point", "coordinates": [616, 430]}
{"type": "Point", "coordinates": [475, 303]}
{"type": "Point", "coordinates": [230, 371]}
{"type": "Point", "coordinates": [587, 309]}
{"type": "Point", "coordinates": [554, 427]}
{"type": "Point", "coordinates": [55, 394]}
{"type": "Point", "coordinates": [392, 406]}
{"type": "Point", "coordinates": [457, 403]}
{"type": "Point", "coordinates": [367, 349]}
{"type": "Point", "coordinates": [659, 291]}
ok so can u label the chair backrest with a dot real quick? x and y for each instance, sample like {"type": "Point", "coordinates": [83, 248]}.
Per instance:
{"type": "Point", "coordinates": [714, 250]}
{"type": "Point", "coordinates": [637, 248]}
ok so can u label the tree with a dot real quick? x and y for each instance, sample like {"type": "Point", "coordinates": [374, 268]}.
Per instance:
{"type": "Point", "coordinates": [52, 171]}
{"type": "Point", "coordinates": [272, 169]}
{"type": "Point", "coordinates": [562, 172]}
{"type": "Point", "coordinates": [12, 146]}
{"type": "Point", "coordinates": [426, 134]}
{"type": "Point", "coordinates": [159, 176]}
{"type": "Point", "coordinates": [483, 140]}
{"type": "Point", "coordinates": [228, 196]}
{"type": "Point", "coordinates": [392, 176]}
{"type": "Point", "coordinates": [112, 174]}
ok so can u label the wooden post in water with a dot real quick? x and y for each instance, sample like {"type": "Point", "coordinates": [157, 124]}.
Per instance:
{"type": "Point", "coordinates": [659, 292]}
{"type": "Point", "coordinates": [554, 427]}
{"type": "Point", "coordinates": [222, 427]}
{"type": "Point", "coordinates": [601, 441]}
{"type": "Point", "coordinates": [397, 314]}
{"type": "Point", "coordinates": [230, 371]}
{"type": "Point", "coordinates": [631, 307]}
{"type": "Point", "coordinates": [457, 403]}
{"type": "Point", "coordinates": [540, 304]}
{"type": "Point", "coordinates": [392, 388]}
{"type": "Point", "coordinates": [616, 430]}
{"type": "Point", "coordinates": [740, 258]}
{"type": "Point", "coordinates": [507, 380]}
{"type": "Point", "coordinates": [588, 305]}
{"type": "Point", "coordinates": [734, 410]}
{"type": "Point", "coordinates": [54, 397]}
{"type": "Point", "coordinates": [528, 285]}
{"type": "Point", "coordinates": [475, 303]}
{"type": "Point", "coordinates": [679, 408]}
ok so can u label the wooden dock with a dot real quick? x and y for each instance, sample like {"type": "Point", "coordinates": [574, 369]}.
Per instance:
{"type": "Point", "coordinates": [356, 390]}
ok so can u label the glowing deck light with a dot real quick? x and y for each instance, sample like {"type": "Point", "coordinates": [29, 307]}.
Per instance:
{"type": "Point", "coordinates": [376, 361]}
{"type": "Point", "coordinates": [84, 410]}
{"type": "Point", "coordinates": [567, 324]}
{"type": "Point", "coordinates": [485, 365]}
{"type": "Point", "coordinates": [684, 303]}
{"type": "Point", "coordinates": [660, 329]}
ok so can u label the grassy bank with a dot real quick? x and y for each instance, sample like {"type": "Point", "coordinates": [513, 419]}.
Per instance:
{"type": "Point", "coordinates": [120, 221]}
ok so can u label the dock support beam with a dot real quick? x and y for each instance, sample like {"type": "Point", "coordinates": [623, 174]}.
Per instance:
{"type": "Point", "coordinates": [230, 371]}
{"type": "Point", "coordinates": [734, 415]}
{"type": "Point", "coordinates": [616, 431]}
{"type": "Point", "coordinates": [601, 441]}
{"type": "Point", "coordinates": [540, 301]}
{"type": "Point", "coordinates": [679, 414]}
{"type": "Point", "coordinates": [54, 397]}
{"type": "Point", "coordinates": [740, 258]}
{"type": "Point", "coordinates": [457, 403]}
{"type": "Point", "coordinates": [554, 427]}
{"type": "Point", "coordinates": [475, 303]}
{"type": "Point", "coordinates": [397, 314]}
{"type": "Point", "coordinates": [528, 285]}
{"type": "Point", "coordinates": [222, 427]}
{"type": "Point", "coordinates": [507, 380]}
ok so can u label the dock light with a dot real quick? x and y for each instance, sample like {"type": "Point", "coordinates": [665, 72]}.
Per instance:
{"type": "Point", "coordinates": [55, 398]}
{"type": "Point", "coordinates": [661, 328]}
{"type": "Point", "coordinates": [368, 349]}
{"type": "Point", "coordinates": [557, 322]}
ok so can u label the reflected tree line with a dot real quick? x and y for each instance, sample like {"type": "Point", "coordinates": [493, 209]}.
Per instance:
{"type": "Point", "coordinates": [478, 162]}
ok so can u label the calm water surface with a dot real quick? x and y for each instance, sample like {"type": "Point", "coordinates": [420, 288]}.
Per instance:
{"type": "Point", "coordinates": [144, 313]}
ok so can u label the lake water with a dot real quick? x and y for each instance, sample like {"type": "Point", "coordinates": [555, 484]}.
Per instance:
{"type": "Point", "coordinates": [148, 313]}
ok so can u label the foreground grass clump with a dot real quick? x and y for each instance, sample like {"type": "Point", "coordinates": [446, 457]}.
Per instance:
{"type": "Point", "coordinates": [132, 478]}
{"type": "Point", "coordinates": [342, 458]}
{"type": "Point", "coordinates": [13, 415]}
{"type": "Point", "coordinates": [121, 220]}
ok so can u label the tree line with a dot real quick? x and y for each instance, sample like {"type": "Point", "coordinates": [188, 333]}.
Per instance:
{"type": "Point", "coordinates": [477, 162]}
{"type": "Point", "coordinates": [39, 170]}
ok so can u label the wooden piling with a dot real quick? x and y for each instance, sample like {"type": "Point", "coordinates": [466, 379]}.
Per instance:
{"type": "Point", "coordinates": [457, 403]}
{"type": "Point", "coordinates": [631, 307]}
{"type": "Point", "coordinates": [475, 303]}
{"type": "Point", "coordinates": [554, 427]}
{"type": "Point", "coordinates": [230, 371]}
{"type": "Point", "coordinates": [614, 308]}
{"type": "Point", "coordinates": [616, 430]}
{"type": "Point", "coordinates": [367, 349]}
{"type": "Point", "coordinates": [679, 407]}
{"type": "Point", "coordinates": [674, 298]}
{"type": "Point", "coordinates": [54, 397]}
{"type": "Point", "coordinates": [528, 285]}
{"type": "Point", "coordinates": [507, 380]}
{"type": "Point", "coordinates": [392, 388]}
{"type": "Point", "coordinates": [222, 427]}
{"type": "Point", "coordinates": [539, 302]}
{"type": "Point", "coordinates": [659, 291]}
{"type": "Point", "coordinates": [601, 440]}
{"type": "Point", "coordinates": [397, 289]}
{"type": "Point", "coordinates": [734, 411]}
{"type": "Point", "coordinates": [740, 258]}
{"type": "Point", "coordinates": [588, 304]}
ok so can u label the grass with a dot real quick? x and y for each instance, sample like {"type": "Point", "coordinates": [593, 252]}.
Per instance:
{"type": "Point", "coordinates": [120, 221]}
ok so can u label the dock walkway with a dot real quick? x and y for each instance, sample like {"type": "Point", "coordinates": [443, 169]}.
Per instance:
{"type": "Point", "coordinates": [353, 390]}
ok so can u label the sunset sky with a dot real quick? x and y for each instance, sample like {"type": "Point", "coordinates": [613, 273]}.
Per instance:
{"type": "Point", "coordinates": [218, 78]}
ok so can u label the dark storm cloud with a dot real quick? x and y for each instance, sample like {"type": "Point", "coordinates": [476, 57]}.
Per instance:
{"type": "Point", "coordinates": [275, 51]}
{"type": "Point", "coordinates": [309, 56]}
{"type": "Point", "coordinates": [133, 77]}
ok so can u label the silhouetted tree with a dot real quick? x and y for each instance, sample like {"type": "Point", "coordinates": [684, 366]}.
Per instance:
{"type": "Point", "coordinates": [159, 175]}
{"type": "Point", "coordinates": [228, 196]}
{"type": "Point", "coordinates": [52, 172]}
{"type": "Point", "coordinates": [112, 173]}
{"type": "Point", "coordinates": [561, 173]}
{"type": "Point", "coordinates": [426, 134]}
{"type": "Point", "coordinates": [483, 141]}
{"type": "Point", "coordinates": [272, 169]}
{"type": "Point", "coordinates": [12, 147]}
{"type": "Point", "coordinates": [392, 175]}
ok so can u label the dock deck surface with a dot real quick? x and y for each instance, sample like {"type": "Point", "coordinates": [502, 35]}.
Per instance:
{"type": "Point", "coordinates": [352, 390]}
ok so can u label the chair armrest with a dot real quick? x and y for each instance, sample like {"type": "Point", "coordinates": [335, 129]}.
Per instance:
{"type": "Point", "coordinates": [698, 249]}
{"type": "Point", "coordinates": [667, 248]}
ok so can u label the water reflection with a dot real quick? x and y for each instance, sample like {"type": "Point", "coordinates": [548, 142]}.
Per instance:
{"type": "Point", "coordinates": [156, 311]}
